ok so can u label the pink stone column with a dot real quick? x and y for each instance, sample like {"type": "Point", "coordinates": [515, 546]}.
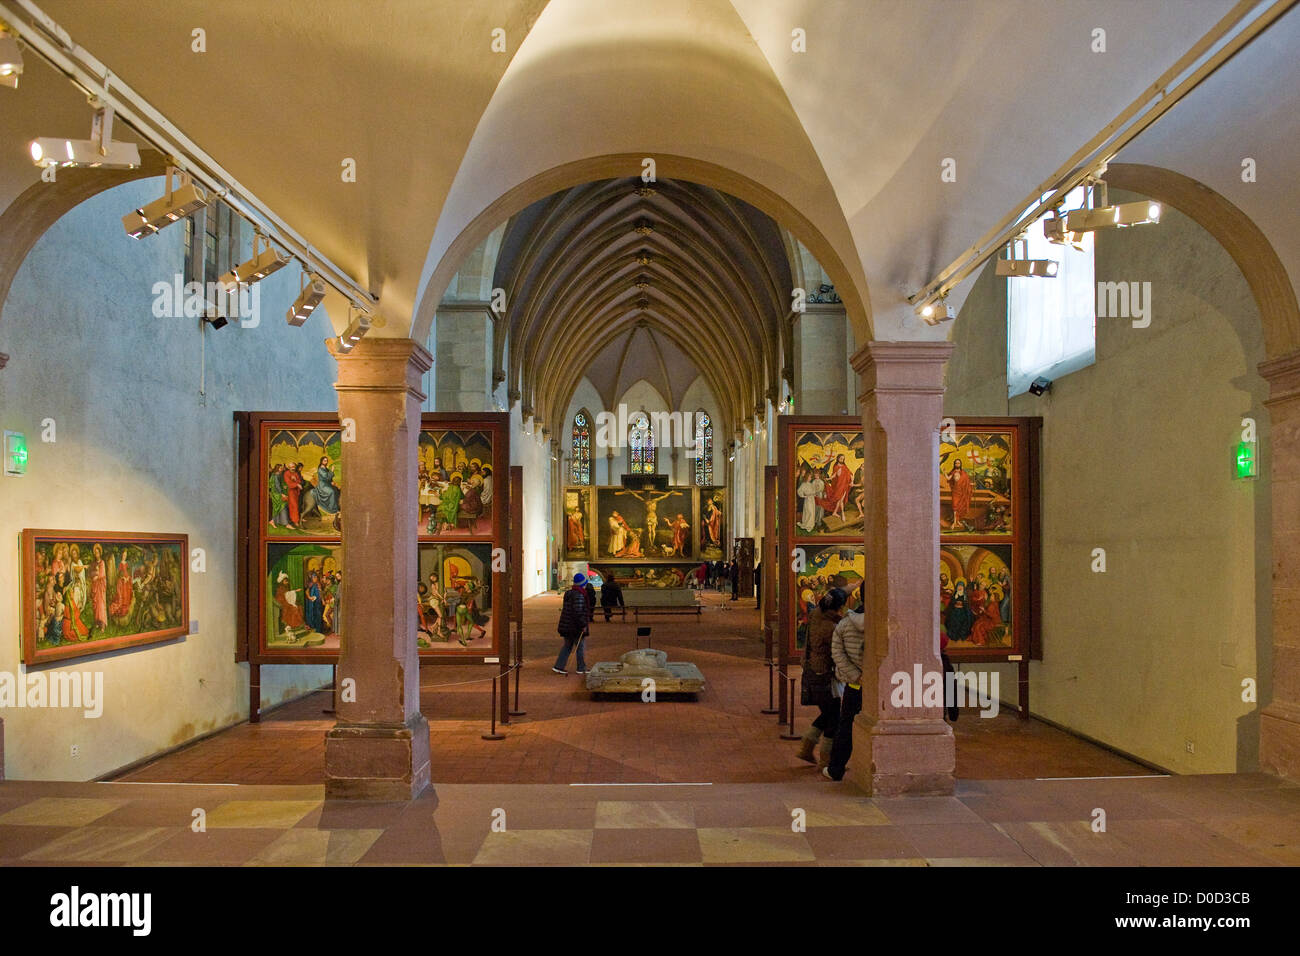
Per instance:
{"type": "Point", "coordinates": [901, 749]}
{"type": "Point", "coordinates": [379, 748]}
{"type": "Point", "coordinates": [1279, 724]}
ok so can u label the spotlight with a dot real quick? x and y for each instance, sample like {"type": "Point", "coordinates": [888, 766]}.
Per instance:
{"type": "Point", "coordinates": [11, 60]}
{"type": "Point", "coordinates": [174, 206]}
{"type": "Point", "coordinates": [1040, 385]}
{"type": "Point", "coordinates": [354, 332]}
{"type": "Point", "coordinates": [215, 319]}
{"type": "Point", "coordinates": [1105, 216]}
{"type": "Point", "coordinates": [98, 152]}
{"type": "Point", "coordinates": [1024, 267]}
{"type": "Point", "coordinates": [1054, 230]}
{"type": "Point", "coordinates": [263, 263]}
{"type": "Point", "coordinates": [313, 291]}
{"type": "Point", "coordinates": [936, 311]}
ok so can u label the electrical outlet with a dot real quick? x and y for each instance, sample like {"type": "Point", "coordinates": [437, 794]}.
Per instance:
{"type": "Point", "coordinates": [76, 751]}
{"type": "Point", "coordinates": [1191, 747]}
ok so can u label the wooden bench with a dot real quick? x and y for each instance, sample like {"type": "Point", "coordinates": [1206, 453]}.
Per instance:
{"type": "Point", "coordinates": [661, 601]}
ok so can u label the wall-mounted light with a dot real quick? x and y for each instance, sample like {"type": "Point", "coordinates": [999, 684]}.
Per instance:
{"type": "Point", "coordinates": [174, 206]}
{"type": "Point", "coordinates": [11, 60]}
{"type": "Point", "coordinates": [98, 152]}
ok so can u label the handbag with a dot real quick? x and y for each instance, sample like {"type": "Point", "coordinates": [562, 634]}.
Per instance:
{"type": "Point", "coordinates": [815, 689]}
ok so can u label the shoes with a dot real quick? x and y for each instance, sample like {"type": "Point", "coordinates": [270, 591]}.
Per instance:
{"type": "Point", "coordinates": [560, 672]}
{"type": "Point", "coordinates": [826, 772]}
{"type": "Point", "coordinates": [581, 671]}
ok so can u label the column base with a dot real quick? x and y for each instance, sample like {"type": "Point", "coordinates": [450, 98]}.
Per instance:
{"type": "Point", "coordinates": [1279, 740]}
{"type": "Point", "coordinates": [377, 761]}
{"type": "Point", "coordinates": [892, 757]}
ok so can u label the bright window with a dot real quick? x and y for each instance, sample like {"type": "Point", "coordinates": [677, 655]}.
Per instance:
{"type": "Point", "coordinates": [704, 445]}
{"type": "Point", "coordinates": [641, 445]}
{"type": "Point", "coordinates": [1052, 323]}
{"type": "Point", "coordinates": [581, 449]}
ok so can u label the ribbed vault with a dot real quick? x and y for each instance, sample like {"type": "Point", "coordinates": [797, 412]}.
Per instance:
{"type": "Point", "coordinates": [591, 265]}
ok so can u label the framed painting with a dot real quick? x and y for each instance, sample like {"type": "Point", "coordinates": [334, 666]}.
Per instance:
{"type": "Point", "coordinates": [977, 478]}
{"type": "Point", "coordinates": [640, 525]}
{"type": "Point", "coordinates": [454, 598]}
{"type": "Point", "coordinates": [644, 575]}
{"type": "Point", "coordinates": [988, 538]}
{"type": "Point", "coordinates": [302, 475]}
{"type": "Point", "coordinates": [302, 599]}
{"type": "Point", "coordinates": [713, 523]}
{"type": "Point", "coordinates": [820, 568]}
{"type": "Point", "coordinates": [577, 523]}
{"type": "Point", "coordinates": [819, 522]}
{"type": "Point", "coordinates": [826, 474]}
{"type": "Point", "coordinates": [456, 479]}
{"type": "Point", "coordinates": [88, 592]}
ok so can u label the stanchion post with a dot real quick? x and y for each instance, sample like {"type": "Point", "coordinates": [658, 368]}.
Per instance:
{"type": "Point", "coordinates": [334, 689]}
{"type": "Point", "coordinates": [791, 735]}
{"type": "Point", "coordinates": [771, 688]}
{"type": "Point", "coordinates": [519, 666]}
{"type": "Point", "coordinates": [493, 735]}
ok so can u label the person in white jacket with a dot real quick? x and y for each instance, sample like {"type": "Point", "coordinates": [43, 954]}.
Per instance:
{"type": "Point", "coordinates": [847, 643]}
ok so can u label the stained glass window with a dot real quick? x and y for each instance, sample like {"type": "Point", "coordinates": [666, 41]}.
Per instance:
{"type": "Point", "coordinates": [581, 449]}
{"type": "Point", "coordinates": [641, 446]}
{"type": "Point", "coordinates": [704, 448]}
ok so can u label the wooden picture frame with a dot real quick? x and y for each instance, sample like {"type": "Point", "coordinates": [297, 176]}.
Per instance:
{"type": "Point", "coordinates": [161, 572]}
{"type": "Point", "coordinates": [479, 532]}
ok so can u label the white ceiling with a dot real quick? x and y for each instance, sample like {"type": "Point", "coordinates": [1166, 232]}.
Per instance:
{"type": "Point", "coordinates": [841, 144]}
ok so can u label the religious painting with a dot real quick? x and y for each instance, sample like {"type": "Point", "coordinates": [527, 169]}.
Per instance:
{"type": "Point", "coordinates": [817, 570]}
{"type": "Point", "coordinates": [645, 575]}
{"type": "Point", "coordinates": [976, 597]}
{"type": "Point", "coordinates": [577, 517]}
{"type": "Point", "coordinates": [976, 482]}
{"type": "Point", "coordinates": [644, 524]}
{"type": "Point", "coordinates": [86, 592]}
{"type": "Point", "coordinates": [303, 482]}
{"type": "Point", "coordinates": [304, 592]}
{"type": "Point", "coordinates": [713, 527]}
{"type": "Point", "coordinates": [826, 473]}
{"type": "Point", "coordinates": [455, 483]}
{"type": "Point", "coordinates": [454, 598]}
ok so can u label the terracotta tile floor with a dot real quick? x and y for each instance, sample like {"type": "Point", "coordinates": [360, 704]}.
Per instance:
{"type": "Point", "coordinates": [1243, 820]}
{"type": "Point", "coordinates": [566, 737]}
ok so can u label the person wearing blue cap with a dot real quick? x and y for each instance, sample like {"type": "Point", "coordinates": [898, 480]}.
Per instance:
{"type": "Point", "coordinates": [573, 624]}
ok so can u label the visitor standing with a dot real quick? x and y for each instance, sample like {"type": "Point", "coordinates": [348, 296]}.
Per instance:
{"type": "Point", "coordinates": [846, 650]}
{"type": "Point", "coordinates": [589, 593]}
{"type": "Point", "coordinates": [573, 624]}
{"type": "Point", "coordinates": [611, 596]}
{"type": "Point", "coordinates": [819, 677]}
{"type": "Point", "coordinates": [735, 580]}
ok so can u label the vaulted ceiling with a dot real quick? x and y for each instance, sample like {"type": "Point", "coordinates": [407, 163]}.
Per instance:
{"type": "Point", "coordinates": [841, 139]}
{"type": "Point", "coordinates": [617, 278]}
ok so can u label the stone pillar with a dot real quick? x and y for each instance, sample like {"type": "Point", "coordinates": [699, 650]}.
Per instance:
{"type": "Point", "coordinates": [901, 749]}
{"type": "Point", "coordinates": [1279, 725]}
{"type": "Point", "coordinates": [379, 748]}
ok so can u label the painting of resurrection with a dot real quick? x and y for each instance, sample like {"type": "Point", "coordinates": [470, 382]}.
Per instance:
{"type": "Point", "coordinates": [87, 592]}
{"type": "Point", "coordinates": [827, 478]}
{"type": "Point", "coordinates": [975, 483]}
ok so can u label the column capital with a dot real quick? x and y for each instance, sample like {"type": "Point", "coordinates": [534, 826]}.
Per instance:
{"type": "Point", "coordinates": [1283, 377]}
{"type": "Point", "coordinates": [902, 366]}
{"type": "Point", "coordinates": [383, 365]}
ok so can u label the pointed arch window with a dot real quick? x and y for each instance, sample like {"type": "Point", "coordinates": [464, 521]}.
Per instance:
{"type": "Point", "coordinates": [642, 454]}
{"type": "Point", "coordinates": [704, 448]}
{"type": "Point", "coordinates": [580, 448]}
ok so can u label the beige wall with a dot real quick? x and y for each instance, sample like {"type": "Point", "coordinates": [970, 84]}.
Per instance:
{"type": "Point", "coordinates": [1137, 459]}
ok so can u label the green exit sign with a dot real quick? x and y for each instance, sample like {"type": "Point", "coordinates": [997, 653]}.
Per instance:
{"type": "Point", "coordinates": [15, 453]}
{"type": "Point", "coordinates": [1247, 459]}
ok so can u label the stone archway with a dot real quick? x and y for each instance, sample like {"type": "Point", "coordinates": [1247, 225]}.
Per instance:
{"type": "Point", "coordinates": [1279, 744]}
{"type": "Point", "coordinates": [42, 204]}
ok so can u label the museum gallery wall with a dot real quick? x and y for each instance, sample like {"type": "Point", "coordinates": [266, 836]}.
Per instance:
{"type": "Point", "coordinates": [647, 537]}
{"type": "Point", "coordinates": [987, 588]}
{"type": "Point", "coordinates": [293, 492]}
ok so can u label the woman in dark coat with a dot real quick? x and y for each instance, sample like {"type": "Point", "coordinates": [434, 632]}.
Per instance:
{"type": "Point", "coordinates": [819, 674]}
{"type": "Point", "coordinates": [573, 624]}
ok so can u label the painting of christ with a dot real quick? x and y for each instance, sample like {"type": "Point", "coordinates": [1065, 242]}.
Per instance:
{"type": "Point", "coordinates": [455, 483]}
{"type": "Point", "coordinates": [818, 570]}
{"type": "Point", "coordinates": [303, 474]}
{"type": "Point", "coordinates": [645, 524]}
{"type": "Point", "coordinates": [976, 482]}
{"type": "Point", "coordinates": [304, 592]}
{"type": "Point", "coordinates": [576, 515]}
{"type": "Point", "coordinates": [975, 597]}
{"type": "Point", "coordinates": [827, 475]}
{"type": "Point", "coordinates": [713, 506]}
